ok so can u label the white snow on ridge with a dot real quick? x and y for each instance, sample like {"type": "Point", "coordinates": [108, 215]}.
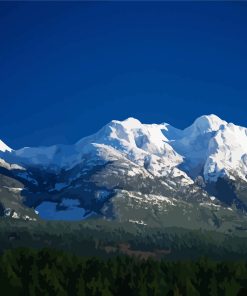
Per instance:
{"type": "Point", "coordinates": [4, 147]}
{"type": "Point", "coordinates": [227, 153]}
{"type": "Point", "coordinates": [213, 147]}
{"type": "Point", "coordinates": [141, 222]}
{"type": "Point", "coordinates": [9, 166]}
{"type": "Point", "coordinates": [205, 124]}
{"type": "Point", "coordinates": [210, 147]}
{"type": "Point", "coordinates": [143, 144]}
{"type": "Point", "coordinates": [14, 189]}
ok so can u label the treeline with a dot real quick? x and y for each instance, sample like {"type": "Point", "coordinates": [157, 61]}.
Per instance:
{"type": "Point", "coordinates": [104, 239]}
{"type": "Point", "coordinates": [50, 272]}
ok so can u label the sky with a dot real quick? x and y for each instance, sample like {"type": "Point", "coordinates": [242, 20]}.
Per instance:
{"type": "Point", "coordinates": [67, 69]}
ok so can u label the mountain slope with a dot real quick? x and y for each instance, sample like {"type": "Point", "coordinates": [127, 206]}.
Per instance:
{"type": "Point", "coordinates": [4, 147]}
{"type": "Point", "coordinates": [144, 173]}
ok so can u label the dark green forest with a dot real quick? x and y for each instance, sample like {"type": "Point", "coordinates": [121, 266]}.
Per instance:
{"type": "Point", "coordinates": [103, 258]}
{"type": "Point", "coordinates": [106, 239]}
{"type": "Point", "coordinates": [52, 272]}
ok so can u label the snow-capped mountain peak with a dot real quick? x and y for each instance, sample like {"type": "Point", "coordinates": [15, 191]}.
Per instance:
{"type": "Point", "coordinates": [205, 124]}
{"type": "Point", "coordinates": [128, 157]}
{"type": "Point", "coordinates": [227, 153]}
{"type": "Point", "coordinates": [129, 123]}
{"type": "Point", "coordinates": [143, 144]}
{"type": "Point", "coordinates": [212, 147]}
{"type": "Point", "coordinates": [209, 147]}
{"type": "Point", "coordinates": [4, 147]}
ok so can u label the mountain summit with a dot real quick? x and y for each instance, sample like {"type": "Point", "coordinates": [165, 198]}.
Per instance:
{"type": "Point", "coordinates": [127, 167]}
{"type": "Point", "coordinates": [207, 123]}
{"type": "Point", "coordinates": [4, 147]}
{"type": "Point", "coordinates": [216, 147]}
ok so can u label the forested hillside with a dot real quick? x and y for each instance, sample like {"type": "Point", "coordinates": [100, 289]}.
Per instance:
{"type": "Point", "coordinates": [105, 239]}
{"type": "Point", "coordinates": [50, 272]}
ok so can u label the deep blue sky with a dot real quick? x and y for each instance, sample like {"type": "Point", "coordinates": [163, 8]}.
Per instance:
{"type": "Point", "coordinates": [66, 69]}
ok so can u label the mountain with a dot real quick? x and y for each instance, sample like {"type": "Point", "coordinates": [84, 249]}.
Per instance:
{"type": "Point", "coordinates": [4, 147]}
{"type": "Point", "coordinates": [150, 174]}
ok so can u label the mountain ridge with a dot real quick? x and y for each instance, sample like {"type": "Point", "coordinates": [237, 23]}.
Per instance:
{"type": "Point", "coordinates": [128, 166]}
{"type": "Point", "coordinates": [159, 140]}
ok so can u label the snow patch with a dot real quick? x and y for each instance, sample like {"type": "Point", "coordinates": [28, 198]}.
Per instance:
{"type": "Point", "coordinates": [13, 189]}
{"type": "Point", "coordinates": [68, 209]}
{"type": "Point", "coordinates": [4, 147]}
{"type": "Point", "coordinates": [140, 222]}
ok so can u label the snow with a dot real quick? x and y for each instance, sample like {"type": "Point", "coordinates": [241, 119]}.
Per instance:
{"type": "Point", "coordinates": [213, 147]}
{"type": "Point", "coordinates": [13, 189]}
{"type": "Point", "coordinates": [9, 166]}
{"type": "Point", "coordinates": [227, 153]}
{"type": "Point", "coordinates": [4, 147]}
{"type": "Point", "coordinates": [70, 210]}
{"type": "Point", "coordinates": [210, 147]}
{"type": "Point", "coordinates": [102, 195]}
{"type": "Point", "coordinates": [192, 142]}
{"type": "Point", "coordinates": [15, 215]}
{"type": "Point", "coordinates": [149, 198]}
{"type": "Point", "coordinates": [27, 218]}
{"type": "Point", "coordinates": [129, 123]}
{"type": "Point", "coordinates": [134, 172]}
{"type": "Point", "coordinates": [141, 222]}
{"type": "Point", "coordinates": [205, 124]}
{"type": "Point", "coordinates": [207, 204]}
{"type": "Point", "coordinates": [184, 177]}
{"type": "Point", "coordinates": [142, 144]}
